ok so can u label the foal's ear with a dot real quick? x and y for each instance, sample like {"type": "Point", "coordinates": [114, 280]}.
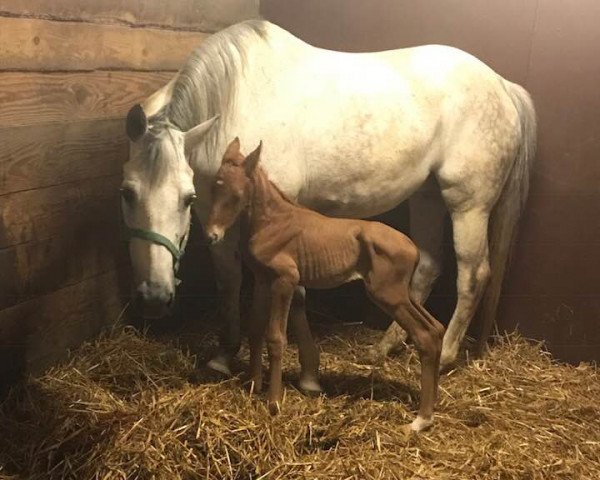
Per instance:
{"type": "Point", "coordinates": [232, 152]}
{"type": "Point", "coordinates": [195, 136]}
{"type": "Point", "coordinates": [137, 123]}
{"type": "Point", "coordinates": [252, 159]}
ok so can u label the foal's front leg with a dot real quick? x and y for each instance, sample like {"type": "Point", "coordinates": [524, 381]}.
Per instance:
{"type": "Point", "coordinates": [282, 291]}
{"type": "Point", "coordinates": [256, 331]}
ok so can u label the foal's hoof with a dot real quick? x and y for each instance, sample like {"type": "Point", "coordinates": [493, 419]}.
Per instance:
{"type": "Point", "coordinates": [420, 423]}
{"type": "Point", "coordinates": [274, 408]}
{"type": "Point", "coordinates": [220, 364]}
{"type": "Point", "coordinates": [310, 386]}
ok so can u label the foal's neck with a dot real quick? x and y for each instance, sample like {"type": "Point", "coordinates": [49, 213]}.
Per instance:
{"type": "Point", "coordinates": [267, 202]}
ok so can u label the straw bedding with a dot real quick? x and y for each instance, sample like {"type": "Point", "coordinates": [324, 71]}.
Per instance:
{"type": "Point", "coordinates": [127, 406]}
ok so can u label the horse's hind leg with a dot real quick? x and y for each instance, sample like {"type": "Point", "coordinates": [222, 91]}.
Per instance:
{"type": "Point", "coordinates": [307, 349]}
{"type": "Point", "coordinates": [471, 246]}
{"type": "Point", "coordinates": [427, 212]}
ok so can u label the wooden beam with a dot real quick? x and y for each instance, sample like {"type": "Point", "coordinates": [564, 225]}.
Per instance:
{"type": "Point", "coordinates": [33, 98]}
{"type": "Point", "coordinates": [45, 155]}
{"type": "Point", "coordinates": [197, 15]}
{"type": "Point", "coordinates": [41, 45]}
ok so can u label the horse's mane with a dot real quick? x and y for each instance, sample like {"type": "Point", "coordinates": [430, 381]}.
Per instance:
{"type": "Point", "coordinates": [205, 86]}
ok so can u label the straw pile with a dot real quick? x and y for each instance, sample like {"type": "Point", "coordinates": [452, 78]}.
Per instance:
{"type": "Point", "coordinates": [128, 407]}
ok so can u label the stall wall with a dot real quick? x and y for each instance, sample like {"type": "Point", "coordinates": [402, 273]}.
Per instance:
{"type": "Point", "coordinates": [69, 72]}
{"type": "Point", "coordinates": [550, 47]}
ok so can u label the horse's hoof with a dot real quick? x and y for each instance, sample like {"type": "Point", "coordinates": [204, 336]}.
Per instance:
{"type": "Point", "coordinates": [447, 363]}
{"type": "Point", "coordinates": [310, 386]}
{"type": "Point", "coordinates": [420, 423]}
{"type": "Point", "coordinates": [375, 356]}
{"type": "Point", "coordinates": [220, 364]}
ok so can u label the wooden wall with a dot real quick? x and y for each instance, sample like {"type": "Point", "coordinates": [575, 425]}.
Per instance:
{"type": "Point", "coordinates": [69, 71]}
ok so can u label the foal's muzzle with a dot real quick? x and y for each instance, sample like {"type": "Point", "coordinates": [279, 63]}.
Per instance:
{"type": "Point", "coordinates": [215, 235]}
{"type": "Point", "coordinates": [154, 299]}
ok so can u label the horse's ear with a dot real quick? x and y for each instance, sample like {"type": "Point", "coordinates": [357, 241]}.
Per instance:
{"type": "Point", "coordinates": [137, 122]}
{"type": "Point", "coordinates": [252, 159]}
{"type": "Point", "coordinates": [232, 152]}
{"type": "Point", "coordinates": [195, 136]}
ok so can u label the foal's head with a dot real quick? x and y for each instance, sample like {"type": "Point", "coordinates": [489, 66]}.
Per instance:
{"type": "Point", "coordinates": [157, 193]}
{"type": "Point", "coordinates": [231, 191]}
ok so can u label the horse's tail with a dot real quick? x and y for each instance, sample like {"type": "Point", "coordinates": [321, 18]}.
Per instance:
{"type": "Point", "coordinates": [508, 209]}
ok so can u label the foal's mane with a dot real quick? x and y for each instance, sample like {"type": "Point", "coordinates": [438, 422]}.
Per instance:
{"type": "Point", "coordinates": [260, 172]}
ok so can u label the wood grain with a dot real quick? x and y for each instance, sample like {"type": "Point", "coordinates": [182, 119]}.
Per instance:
{"type": "Point", "coordinates": [79, 226]}
{"type": "Point", "coordinates": [44, 213]}
{"type": "Point", "coordinates": [198, 15]}
{"type": "Point", "coordinates": [42, 45]}
{"type": "Point", "coordinates": [54, 154]}
{"type": "Point", "coordinates": [38, 268]}
{"type": "Point", "coordinates": [33, 98]}
{"type": "Point", "coordinates": [40, 331]}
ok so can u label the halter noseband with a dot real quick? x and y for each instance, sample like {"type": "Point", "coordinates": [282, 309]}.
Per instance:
{"type": "Point", "coordinates": [157, 238]}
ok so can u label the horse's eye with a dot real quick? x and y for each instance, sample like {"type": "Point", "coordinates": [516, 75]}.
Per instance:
{"type": "Point", "coordinates": [127, 194]}
{"type": "Point", "coordinates": [189, 199]}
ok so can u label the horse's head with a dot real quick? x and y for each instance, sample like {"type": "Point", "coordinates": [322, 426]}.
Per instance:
{"type": "Point", "coordinates": [231, 190]}
{"type": "Point", "coordinates": [157, 193]}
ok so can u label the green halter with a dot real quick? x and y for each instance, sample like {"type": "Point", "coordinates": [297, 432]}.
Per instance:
{"type": "Point", "coordinates": [159, 239]}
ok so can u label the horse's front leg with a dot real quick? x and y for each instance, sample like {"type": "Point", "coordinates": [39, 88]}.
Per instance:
{"type": "Point", "coordinates": [282, 291]}
{"type": "Point", "coordinates": [228, 272]}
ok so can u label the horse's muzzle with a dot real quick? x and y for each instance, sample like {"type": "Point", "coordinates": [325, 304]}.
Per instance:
{"type": "Point", "coordinates": [154, 300]}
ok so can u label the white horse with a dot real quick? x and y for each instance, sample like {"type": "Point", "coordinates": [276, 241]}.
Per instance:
{"type": "Point", "coordinates": [347, 134]}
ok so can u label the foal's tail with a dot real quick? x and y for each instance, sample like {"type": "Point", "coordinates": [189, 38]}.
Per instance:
{"type": "Point", "coordinates": [504, 219]}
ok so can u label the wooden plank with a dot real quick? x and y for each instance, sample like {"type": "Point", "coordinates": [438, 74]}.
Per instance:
{"type": "Point", "coordinates": [42, 45]}
{"type": "Point", "coordinates": [40, 331]}
{"type": "Point", "coordinates": [53, 154]}
{"type": "Point", "coordinates": [197, 15]}
{"type": "Point", "coordinates": [79, 226]}
{"type": "Point", "coordinates": [33, 98]}
{"type": "Point", "coordinates": [41, 214]}
{"type": "Point", "coordinates": [84, 250]}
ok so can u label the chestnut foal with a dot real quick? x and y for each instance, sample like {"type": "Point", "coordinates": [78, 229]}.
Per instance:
{"type": "Point", "coordinates": [289, 245]}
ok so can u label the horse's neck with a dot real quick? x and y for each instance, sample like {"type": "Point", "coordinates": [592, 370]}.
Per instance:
{"type": "Point", "coordinates": [268, 205]}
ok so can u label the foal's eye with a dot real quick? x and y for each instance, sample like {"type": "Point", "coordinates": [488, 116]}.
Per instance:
{"type": "Point", "coordinates": [189, 200]}
{"type": "Point", "coordinates": [127, 194]}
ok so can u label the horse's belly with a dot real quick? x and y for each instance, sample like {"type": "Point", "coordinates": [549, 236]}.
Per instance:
{"type": "Point", "coordinates": [361, 198]}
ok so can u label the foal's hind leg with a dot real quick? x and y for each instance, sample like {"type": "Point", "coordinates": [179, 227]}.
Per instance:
{"type": "Point", "coordinates": [388, 286]}
{"type": "Point", "coordinates": [427, 213]}
{"type": "Point", "coordinates": [307, 350]}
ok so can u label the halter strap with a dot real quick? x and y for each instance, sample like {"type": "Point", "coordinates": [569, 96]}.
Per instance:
{"type": "Point", "coordinates": [158, 239]}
